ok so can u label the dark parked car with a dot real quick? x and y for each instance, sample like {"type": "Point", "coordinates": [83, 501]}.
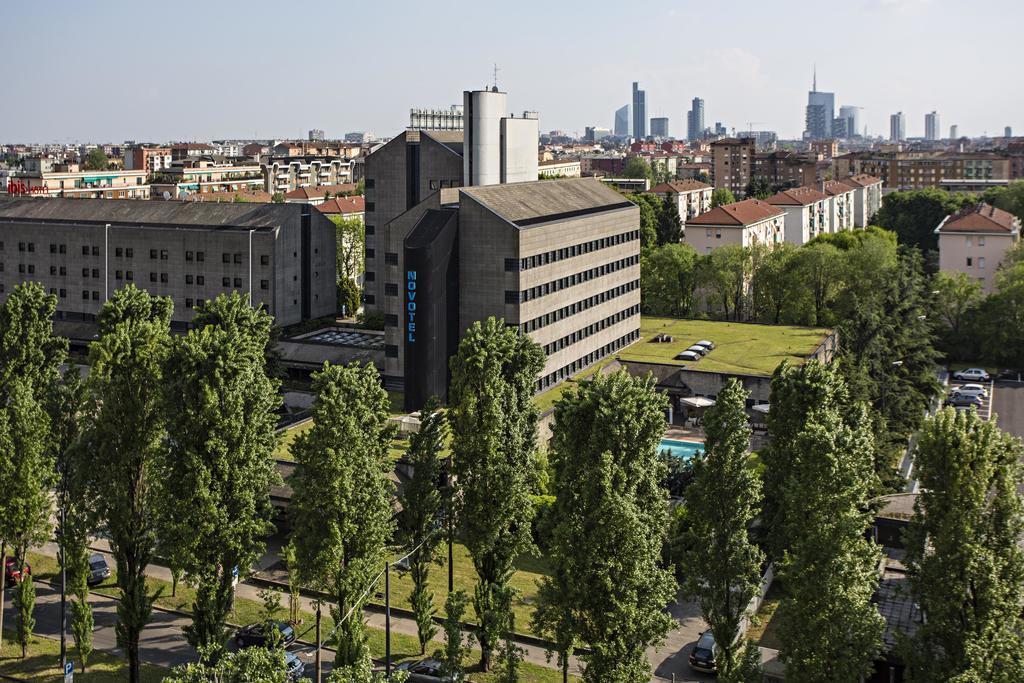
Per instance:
{"type": "Point", "coordinates": [255, 635]}
{"type": "Point", "coordinates": [424, 671]}
{"type": "Point", "coordinates": [99, 570]}
{"type": "Point", "coordinates": [296, 667]}
{"type": "Point", "coordinates": [703, 656]}
{"type": "Point", "coordinates": [1011, 375]}
{"type": "Point", "coordinates": [688, 355]}
{"type": "Point", "coordinates": [14, 572]}
{"type": "Point", "coordinates": [964, 401]}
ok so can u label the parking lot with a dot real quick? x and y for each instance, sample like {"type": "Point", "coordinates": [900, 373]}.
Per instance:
{"type": "Point", "coordinates": [1008, 406]}
{"type": "Point", "coordinates": [985, 409]}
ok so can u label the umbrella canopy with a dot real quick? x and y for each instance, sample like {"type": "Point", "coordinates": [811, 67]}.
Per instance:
{"type": "Point", "coordinates": [697, 402]}
{"type": "Point", "coordinates": [761, 408]}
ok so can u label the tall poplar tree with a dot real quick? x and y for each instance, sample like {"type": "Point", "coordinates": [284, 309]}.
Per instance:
{"type": "Point", "coordinates": [964, 556]}
{"type": "Point", "coordinates": [341, 504]}
{"type": "Point", "coordinates": [723, 566]}
{"type": "Point", "coordinates": [127, 440]}
{"type": "Point", "coordinates": [215, 497]}
{"type": "Point", "coordinates": [494, 432]}
{"type": "Point", "coordinates": [608, 587]}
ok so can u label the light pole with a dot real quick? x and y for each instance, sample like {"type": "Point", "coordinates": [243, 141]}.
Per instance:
{"type": "Point", "coordinates": [319, 641]}
{"type": "Point", "coordinates": [387, 619]}
{"type": "Point", "coordinates": [451, 523]}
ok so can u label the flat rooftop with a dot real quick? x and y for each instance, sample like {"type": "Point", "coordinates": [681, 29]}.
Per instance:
{"type": "Point", "coordinates": [741, 348]}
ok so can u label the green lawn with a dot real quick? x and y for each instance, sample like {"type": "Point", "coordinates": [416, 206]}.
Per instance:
{"type": "Point", "coordinates": [284, 444]}
{"type": "Point", "coordinates": [764, 627]}
{"type": "Point", "coordinates": [546, 400]}
{"type": "Point", "coordinates": [41, 664]}
{"type": "Point", "coordinates": [742, 348]}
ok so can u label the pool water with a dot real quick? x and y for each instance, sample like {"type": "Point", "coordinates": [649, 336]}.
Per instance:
{"type": "Point", "coordinates": [684, 450]}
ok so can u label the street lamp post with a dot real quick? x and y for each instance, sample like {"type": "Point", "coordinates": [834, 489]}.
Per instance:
{"type": "Point", "coordinates": [451, 524]}
{"type": "Point", "coordinates": [319, 642]}
{"type": "Point", "coordinates": [387, 619]}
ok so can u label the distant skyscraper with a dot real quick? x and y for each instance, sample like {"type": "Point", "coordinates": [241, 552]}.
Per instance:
{"type": "Point", "coordinates": [659, 127]}
{"type": "Point", "coordinates": [1008, 132]}
{"type": "Point", "coordinates": [839, 128]}
{"type": "Point", "coordinates": [720, 129]}
{"type": "Point", "coordinates": [931, 126]}
{"type": "Point", "coordinates": [820, 112]}
{"type": "Point", "coordinates": [897, 127]}
{"type": "Point", "coordinates": [852, 116]}
{"type": "Point", "coordinates": [639, 112]}
{"type": "Point", "coordinates": [695, 120]}
{"type": "Point", "coordinates": [622, 121]}
{"type": "Point", "coordinates": [316, 135]}
{"type": "Point", "coordinates": [954, 132]}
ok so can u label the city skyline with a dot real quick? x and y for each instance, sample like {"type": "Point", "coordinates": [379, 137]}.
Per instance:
{"type": "Point", "coordinates": [217, 87]}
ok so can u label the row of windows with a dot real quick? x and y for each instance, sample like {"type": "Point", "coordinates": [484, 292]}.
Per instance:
{"type": "Point", "coordinates": [569, 252]}
{"type": "Point", "coordinates": [512, 297]}
{"type": "Point", "coordinates": [129, 252]}
{"type": "Point", "coordinates": [580, 363]}
{"type": "Point", "coordinates": [574, 308]}
{"type": "Point", "coordinates": [590, 330]}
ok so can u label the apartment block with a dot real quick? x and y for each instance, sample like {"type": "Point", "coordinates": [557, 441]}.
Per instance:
{"type": "Point", "coordinates": [201, 176]}
{"type": "Point", "coordinates": [786, 169]}
{"type": "Point", "coordinates": [284, 174]}
{"type": "Point", "coordinates": [692, 196]}
{"type": "Point", "coordinates": [747, 223]}
{"type": "Point", "coordinates": [843, 202]}
{"type": "Point", "coordinates": [732, 163]}
{"type": "Point", "coordinates": [41, 177]}
{"type": "Point", "coordinates": [147, 158]}
{"type": "Point", "coordinates": [975, 241]}
{"type": "Point", "coordinates": [867, 197]}
{"type": "Point", "coordinates": [281, 255]}
{"type": "Point", "coordinates": [808, 213]}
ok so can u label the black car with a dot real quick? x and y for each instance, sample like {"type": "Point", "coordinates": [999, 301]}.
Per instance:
{"type": "Point", "coordinates": [1011, 375]}
{"type": "Point", "coordinates": [255, 635]}
{"type": "Point", "coordinates": [99, 570]}
{"type": "Point", "coordinates": [703, 656]}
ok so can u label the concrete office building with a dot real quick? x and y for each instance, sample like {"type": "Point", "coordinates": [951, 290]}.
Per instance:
{"type": "Point", "coordinates": [281, 255]}
{"type": "Point", "coordinates": [820, 112]}
{"type": "Point", "coordinates": [897, 127]}
{"type": "Point", "coordinates": [622, 121]}
{"type": "Point", "coordinates": [659, 127]}
{"type": "Point", "coordinates": [695, 120]}
{"type": "Point", "coordinates": [596, 133]}
{"type": "Point", "coordinates": [954, 132]}
{"type": "Point", "coordinates": [931, 126]}
{"type": "Point", "coordinates": [639, 112]}
{"type": "Point", "coordinates": [558, 259]}
{"type": "Point", "coordinates": [851, 114]}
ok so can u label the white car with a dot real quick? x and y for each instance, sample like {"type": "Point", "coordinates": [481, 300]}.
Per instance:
{"type": "Point", "coordinates": [972, 375]}
{"type": "Point", "coordinates": [969, 390]}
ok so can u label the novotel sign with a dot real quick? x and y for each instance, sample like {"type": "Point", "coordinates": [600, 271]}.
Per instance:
{"type": "Point", "coordinates": [410, 306]}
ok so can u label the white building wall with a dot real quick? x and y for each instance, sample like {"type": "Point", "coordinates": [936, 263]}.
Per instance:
{"type": "Point", "coordinates": [483, 140]}
{"type": "Point", "coordinates": [519, 150]}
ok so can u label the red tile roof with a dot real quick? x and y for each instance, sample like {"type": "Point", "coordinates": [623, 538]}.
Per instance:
{"type": "Point", "coordinates": [862, 180]}
{"type": "Point", "coordinates": [747, 212]}
{"type": "Point", "coordinates": [343, 205]}
{"type": "Point", "coordinates": [679, 186]}
{"type": "Point", "coordinates": [797, 196]}
{"type": "Point", "coordinates": [981, 218]}
{"type": "Point", "coordinates": [834, 187]}
{"type": "Point", "coordinates": [319, 191]}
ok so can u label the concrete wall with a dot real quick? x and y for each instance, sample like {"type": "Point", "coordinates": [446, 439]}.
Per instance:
{"type": "Point", "coordinates": [519, 150]}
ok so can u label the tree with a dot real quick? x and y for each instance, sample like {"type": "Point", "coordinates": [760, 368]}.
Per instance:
{"type": "Point", "coordinates": [670, 225]}
{"type": "Point", "coordinates": [816, 265]}
{"type": "Point", "coordinates": [362, 672]}
{"type": "Point", "coordinates": [350, 234]}
{"type": "Point", "coordinates": [96, 160]}
{"type": "Point", "coordinates": [28, 348]}
{"type": "Point", "coordinates": [774, 284]}
{"type": "Point", "coordinates": [649, 210]}
{"type": "Point", "coordinates": [455, 646]}
{"type": "Point", "coordinates": [341, 505]}
{"type": "Point", "coordinates": [668, 276]}
{"type": "Point", "coordinates": [608, 585]}
{"type": "Point", "coordinates": [248, 665]}
{"type": "Point", "coordinates": [127, 439]}
{"type": "Point", "coordinates": [964, 559]}
{"type": "Point", "coordinates": [724, 274]}
{"type": "Point", "coordinates": [723, 565]}
{"type": "Point", "coordinates": [494, 431]}
{"type": "Point", "coordinates": [721, 196]}
{"type": "Point", "coordinates": [637, 167]}
{"type": "Point", "coordinates": [1002, 317]}
{"type": "Point", "coordinates": [758, 188]}
{"type": "Point", "coordinates": [421, 503]}
{"type": "Point", "coordinates": [277, 198]}
{"type": "Point", "coordinates": [956, 304]}
{"type": "Point", "coordinates": [1008, 198]}
{"type": "Point", "coordinates": [218, 468]}
{"type": "Point", "coordinates": [829, 628]}
{"type": "Point", "coordinates": [25, 603]}
{"type": "Point", "coordinates": [350, 297]}
{"type": "Point", "coordinates": [914, 214]}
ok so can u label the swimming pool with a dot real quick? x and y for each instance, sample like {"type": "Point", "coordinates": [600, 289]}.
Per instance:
{"type": "Point", "coordinates": [680, 449]}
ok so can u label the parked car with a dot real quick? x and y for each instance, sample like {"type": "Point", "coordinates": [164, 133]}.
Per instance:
{"type": "Point", "coordinates": [688, 355]}
{"type": "Point", "coordinates": [14, 572]}
{"type": "Point", "coordinates": [709, 345]}
{"type": "Point", "coordinates": [296, 667]}
{"type": "Point", "coordinates": [969, 390]}
{"type": "Point", "coordinates": [99, 570]}
{"type": "Point", "coordinates": [424, 671]}
{"type": "Point", "coordinates": [699, 350]}
{"type": "Point", "coordinates": [972, 375]}
{"type": "Point", "coordinates": [703, 656]}
{"type": "Point", "coordinates": [1011, 375]}
{"type": "Point", "coordinates": [964, 401]}
{"type": "Point", "coordinates": [255, 635]}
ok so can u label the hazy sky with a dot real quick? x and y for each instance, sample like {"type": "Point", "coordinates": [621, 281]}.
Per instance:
{"type": "Point", "coordinates": [81, 70]}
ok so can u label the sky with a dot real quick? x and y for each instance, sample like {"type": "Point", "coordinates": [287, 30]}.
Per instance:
{"type": "Point", "coordinates": [109, 71]}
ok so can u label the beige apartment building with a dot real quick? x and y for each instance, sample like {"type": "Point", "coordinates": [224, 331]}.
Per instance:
{"type": "Point", "coordinates": [747, 223]}
{"type": "Point", "coordinates": [41, 177]}
{"type": "Point", "coordinates": [808, 213]}
{"type": "Point", "coordinates": [732, 163]}
{"type": "Point", "coordinates": [560, 168]}
{"type": "Point", "coordinates": [204, 176]}
{"type": "Point", "coordinates": [285, 174]}
{"type": "Point", "coordinates": [867, 197]}
{"type": "Point", "coordinates": [844, 198]}
{"type": "Point", "coordinates": [975, 241]}
{"type": "Point", "coordinates": [692, 196]}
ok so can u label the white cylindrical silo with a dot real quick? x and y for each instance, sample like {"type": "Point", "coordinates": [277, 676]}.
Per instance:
{"type": "Point", "coordinates": [484, 110]}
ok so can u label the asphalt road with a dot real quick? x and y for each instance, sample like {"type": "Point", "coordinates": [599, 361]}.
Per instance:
{"type": "Point", "coordinates": [1008, 406]}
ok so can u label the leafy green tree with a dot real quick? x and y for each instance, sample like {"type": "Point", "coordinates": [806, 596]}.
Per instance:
{"type": "Point", "coordinates": [456, 647]}
{"type": "Point", "coordinates": [724, 274]}
{"type": "Point", "coordinates": [25, 604]}
{"type": "Point", "coordinates": [421, 504]}
{"type": "Point", "coordinates": [494, 431]}
{"type": "Point", "coordinates": [362, 672]}
{"type": "Point", "coordinates": [650, 208]}
{"type": "Point", "coordinates": [1002, 317]}
{"type": "Point", "coordinates": [96, 160]}
{"type": "Point", "coordinates": [964, 559]}
{"type": "Point", "coordinates": [670, 225]}
{"type": "Point", "coordinates": [724, 565]}
{"type": "Point", "coordinates": [637, 167]}
{"type": "Point", "coordinates": [608, 585]}
{"type": "Point", "coordinates": [350, 297]}
{"type": "Point", "coordinates": [350, 234]}
{"type": "Point", "coordinates": [341, 505]}
{"type": "Point", "coordinates": [127, 439]}
{"type": "Point", "coordinates": [248, 665]}
{"type": "Point", "coordinates": [816, 266]}
{"type": "Point", "coordinates": [668, 276]}
{"type": "Point", "coordinates": [758, 188]}
{"type": "Point", "coordinates": [1008, 198]}
{"type": "Point", "coordinates": [721, 196]}
{"type": "Point", "coordinates": [914, 214]}
{"type": "Point", "coordinates": [956, 306]}
{"type": "Point", "coordinates": [218, 468]}
{"type": "Point", "coordinates": [774, 283]}
{"type": "Point", "coordinates": [277, 198]}
{"type": "Point", "coordinates": [829, 628]}
{"type": "Point", "coordinates": [28, 349]}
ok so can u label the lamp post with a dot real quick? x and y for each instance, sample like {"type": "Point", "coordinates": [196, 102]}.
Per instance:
{"type": "Point", "coordinates": [319, 641]}
{"type": "Point", "coordinates": [387, 619]}
{"type": "Point", "coordinates": [451, 523]}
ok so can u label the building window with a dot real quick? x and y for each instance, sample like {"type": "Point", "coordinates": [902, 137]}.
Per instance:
{"type": "Point", "coordinates": [511, 265]}
{"type": "Point", "coordinates": [981, 263]}
{"type": "Point", "coordinates": [391, 351]}
{"type": "Point", "coordinates": [264, 284]}
{"type": "Point", "coordinates": [152, 254]}
{"type": "Point", "coordinates": [53, 248]}
{"type": "Point", "coordinates": [118, 275]}
{"type": "Point", "coordinates": [368, 183]}
{"type": "Point", "coordinates": [85, 272]}
{"type": "Point", "coordinates": [370, 299]}
{"type": "Point", "coordinates": [970, 262]}
{"type": "Point", "coordinates": [390, 289]}
{"type": "Point", "coordinates": [265, 260]}
{"type": "Point", "coordinates": [225, 282]}
{"type": "Point", "coordinates": [369, 276]}
{"type": "Point", "coordinates": [85, 295]}
{"type": "Point", "coordinates": [85, 250]}
{"type": "Point", "coordinates": [188, 279]}
{"type": "Point", "coordinates": [370, 253]}
{"type": "Point", "coordinates": [371, 230]}
{"type": "Point", "coordinates": [163, 254]}
{"type": "Point", "coordinates": [226, 257]}
{"type": "Point", "coordinates": [238, 258]}
{"type": "Point", "coordinates": [981, 241]}
{"type": "Point", "coordinates": [129, 276]}
{"type": "Point", "coordinates": [238, 282]}
{"type": "Point", "coordinates": [200, 279]}
{"type": "Point", "coordinates": [511, 296]}
{"type": "Point", "coordinates": [96, 272]}
{"type": "Point", "coordinates": [200, 256]}
{"type": "Point", "coordinates": [370, 206]}
{"type": "Point", "coordinates": [391, 320]}
{"type": "Point", "coordinates": [189, 255]}
{"type": "Point", "coordinates": [95, 295]}
{"type": "Point", "coordinates": [152, 277]}
{"type": "Point", "coordinates": [391, 258]}
{"type": "Point", "coordinates": [163, 278]}
{"type": "Point", "coordinates": [63, 292]}
{"type": "Point", "coordinates": [129, 252]}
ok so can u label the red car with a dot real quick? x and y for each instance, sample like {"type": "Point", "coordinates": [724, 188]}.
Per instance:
{"type": "Point", "coordinates": [14, 573]}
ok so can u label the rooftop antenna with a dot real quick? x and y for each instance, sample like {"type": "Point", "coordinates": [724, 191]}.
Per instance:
{"type": "Point", "coordinates": [496, 70]}
{"type": "Point", "coordinates": [814, 87]}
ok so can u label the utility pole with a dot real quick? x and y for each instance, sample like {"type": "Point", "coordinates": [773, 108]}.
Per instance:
{"type": "Point", "coordinates": [451, 523]}
{"type": "Point", "coordinates": [62, 551]}
{"type": "Point", "coordinates": [387, 619]}
{"type": "Point", "coordinates": [319, 642]}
